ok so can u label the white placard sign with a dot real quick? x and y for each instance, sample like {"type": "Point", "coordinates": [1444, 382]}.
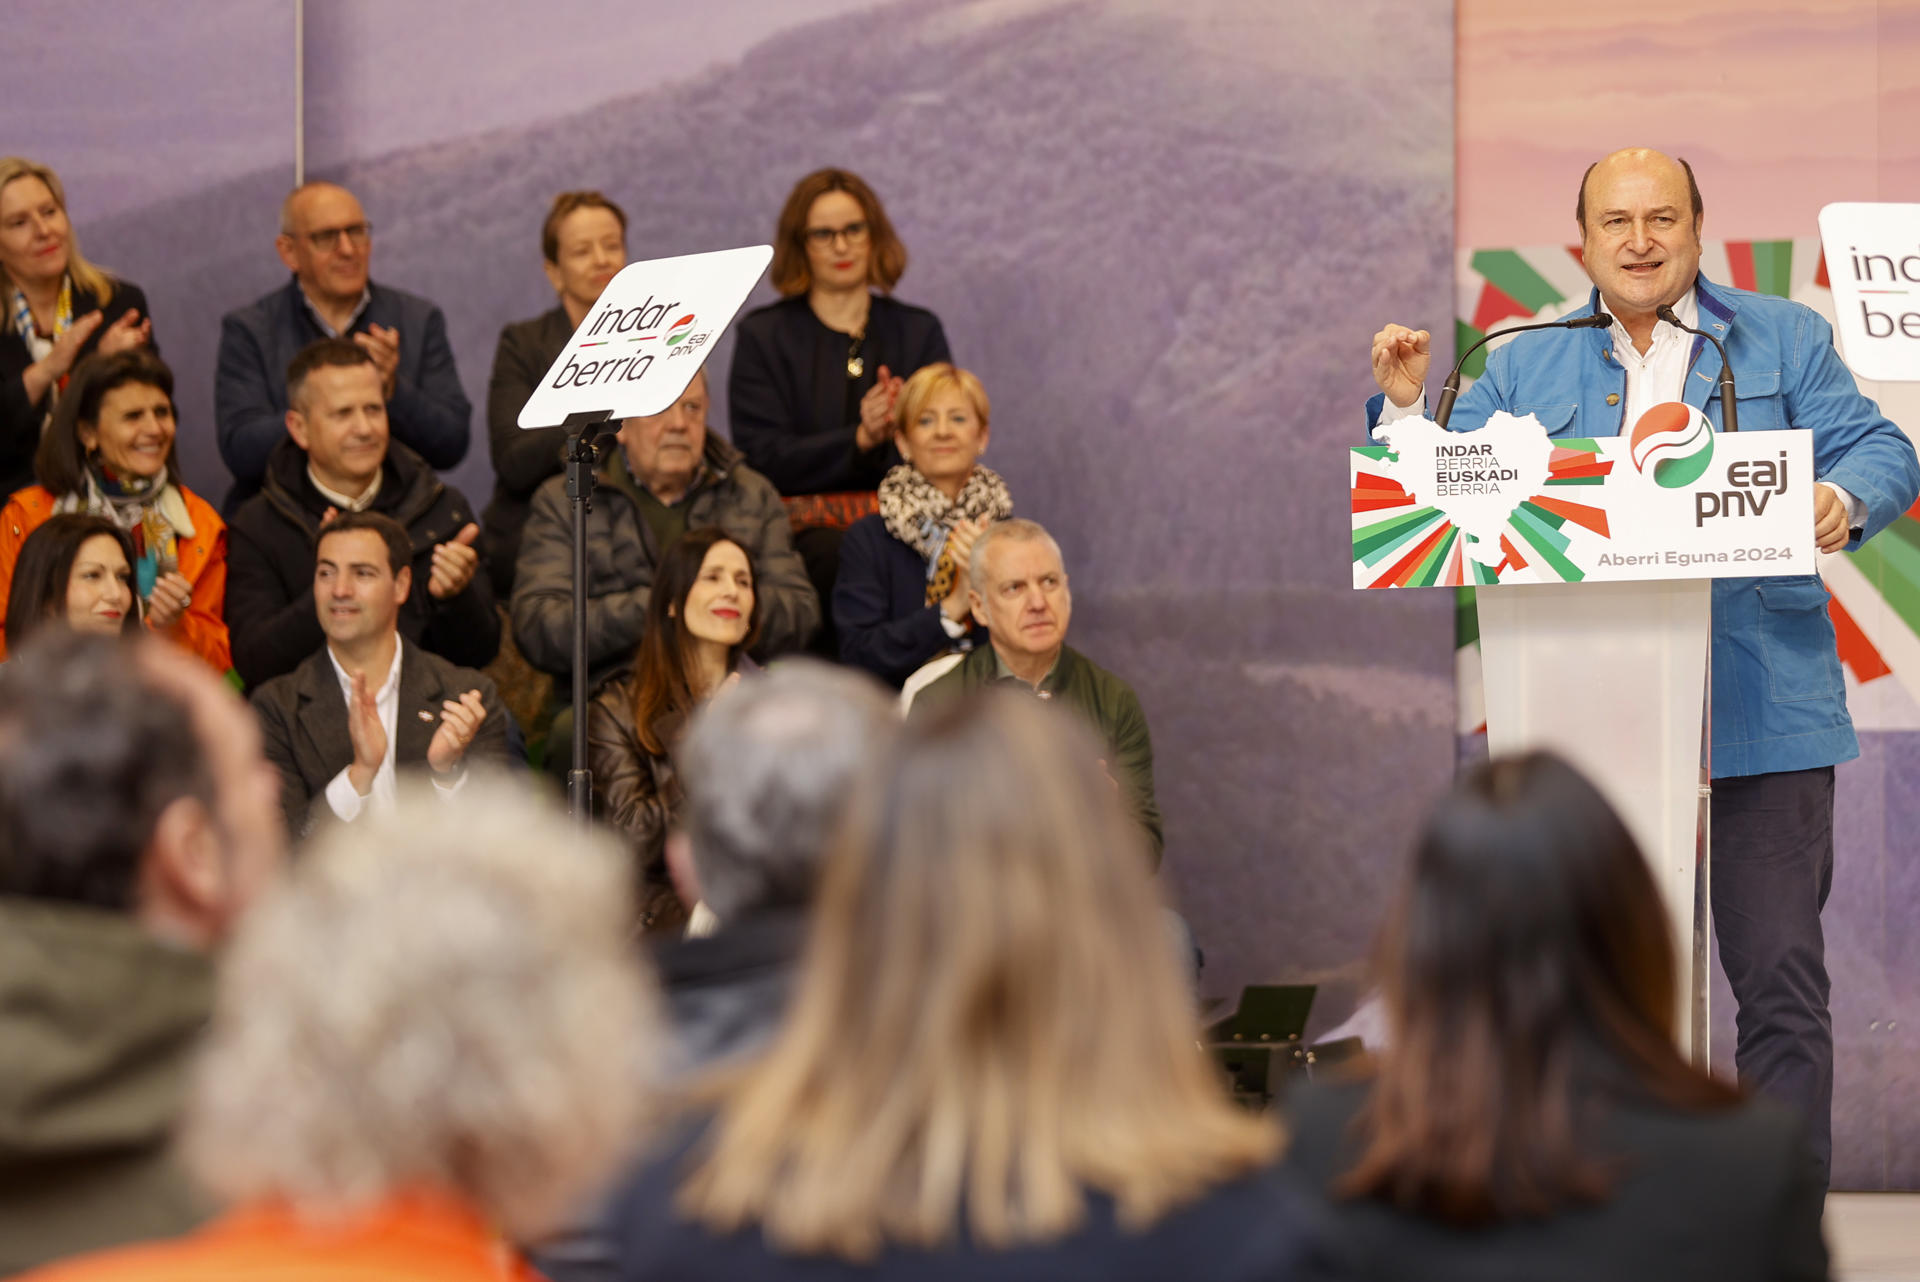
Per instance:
{"type": "Point", "coordinates": [651, 330]}
{"type": "Point", "coordinates": [1873, 264]}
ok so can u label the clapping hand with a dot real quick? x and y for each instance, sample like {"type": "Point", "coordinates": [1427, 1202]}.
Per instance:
{"type": "Point", "coordinates": [130, 331]}
{"type": "Point", "coordinates": [167, 603]}
{"type": "Point", "coordinates": [876, 410]}
{"type": "Point", "coordinates": [453, 564]}
{"type": "Point", "coordinates": [368, 735]}
{"type": "Point", "coordinates": [460, 722]}
{"type": "Point", "coordinates": [383, 345]}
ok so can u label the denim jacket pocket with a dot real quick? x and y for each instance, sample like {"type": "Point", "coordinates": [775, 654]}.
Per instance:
{"type": "Point", "coordinates": [1756, 394]}
{"type": "Point", "coordinates": [1796, 639]}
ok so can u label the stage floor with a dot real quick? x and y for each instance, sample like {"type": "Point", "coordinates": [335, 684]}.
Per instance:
{"type": "Point", "coordinates": [1874, 1237]}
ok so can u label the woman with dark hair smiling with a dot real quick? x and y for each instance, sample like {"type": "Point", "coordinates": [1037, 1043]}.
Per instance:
{"type": "Point", "coordinates": [1529, 1115]}
{"type": "Point", "coordinates": [110, 452]}
{"type": "Point", "coordinates": [75, 571]}
{"type": "Point", "coordinates": [702, 616]}
{"type": "Point", "coordinates": [816, 376]}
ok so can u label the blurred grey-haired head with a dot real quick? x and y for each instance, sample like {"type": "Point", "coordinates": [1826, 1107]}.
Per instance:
{"type": "Point", "coordinates": [768, 767]}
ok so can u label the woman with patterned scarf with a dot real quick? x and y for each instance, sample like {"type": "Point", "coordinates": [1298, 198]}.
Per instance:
{"type": "Point", "coordinates": [109, 451]}
{"type": "Point", "coordinates": [901, 598]}
{"type": "Point", "coordinates": [56, 308]}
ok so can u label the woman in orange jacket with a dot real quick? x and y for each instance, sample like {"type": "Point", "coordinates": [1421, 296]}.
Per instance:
{"type": "Point", "coordinates": [109, 451]}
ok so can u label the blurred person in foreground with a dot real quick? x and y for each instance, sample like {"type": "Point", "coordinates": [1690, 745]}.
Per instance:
{"type": "Point", "coordinates": [1529, 1116]}
{"type": "Point", "coordinates": [110, 451]}
{"type": "Point", "coordinates": [74, 572]}
{"type": "Point", "coordinates": [326, 241]}
{"type": "Point", "coordinates": [702, 617]}
{"type": "Point", "coordinates": [432, 1039]}
{"type": "Point", "coordinates": [1017, 589]}
{"type": "Point", "coordinates": [901, 598]}
{"type": "Point", "coordinates": [137, 823]}
{"type": "Point", "coordinates": [368, 703]}
{"type": "Point", "coordinates": [583, 246]}
{"type": "Point", "coordinates": [56, 309]}
{"type": "Point", "coordinates": [982, 1072]}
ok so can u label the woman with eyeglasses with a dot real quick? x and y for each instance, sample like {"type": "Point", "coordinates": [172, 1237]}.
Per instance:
{"type": "Point", "coordinates": [816, 376]}
{"type": "Point", "coordinates": [56, 308]}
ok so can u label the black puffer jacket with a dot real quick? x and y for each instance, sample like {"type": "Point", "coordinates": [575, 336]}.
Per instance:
{"type": "Point", "coordinates": [270, 611]}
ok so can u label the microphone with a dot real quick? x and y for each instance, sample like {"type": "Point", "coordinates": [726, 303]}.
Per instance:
{"type": "Point", "coordinates": [1451, 390]}
{"type": "Point", "coordinates": [1729, 422]}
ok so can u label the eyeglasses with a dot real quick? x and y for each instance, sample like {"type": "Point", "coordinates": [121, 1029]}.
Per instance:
{"type": "Point", "coordinates": [854, 233]}
{"type": "Point", "coordinates": [326, 240]}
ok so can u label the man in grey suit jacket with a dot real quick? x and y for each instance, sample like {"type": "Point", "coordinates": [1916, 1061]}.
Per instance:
{"type": "Point", "coordinates": [369, 703]}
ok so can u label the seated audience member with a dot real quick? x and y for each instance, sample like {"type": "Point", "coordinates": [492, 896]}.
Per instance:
{"type": "Point", "coordinates": [1019, 594]}
{"type": "Point", "coordinates": [110, 452]}
{"type": "Point", "coordinates": [74, 572]}
{"type": "Point", "coordinates": [901, 598]}
{"type": "Point", "coordinates": [810, 400]}
{"type": "Point", "coordinates": [584, 245]}
{"type": "Point", "coordinates": [429, 1040]}
{"type": "Point", "coordinates": [56, 309]}
{"type": "Point", "coordinates": [669, 474]}
{"type": "Point", "coordinates": [701, 618]}
{"type": "Point", "coordinates": [338, 457]}
{"type": "Point", "coordinates": [368, 701]}
{"type": "Point", "coordinates": [137, 821]}
{"type": "Point", "coordinates": [982, 1072]}
{"type": "Point", "coordinates": [1528, 1116]}
{"type": "Point", "coordinates": [327, 243]}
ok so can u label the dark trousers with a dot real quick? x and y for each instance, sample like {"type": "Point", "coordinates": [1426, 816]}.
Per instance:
{"type": "Point", "coordinates": [819, 549]}
{"type": "Point", "coordinates": [1772, 869]}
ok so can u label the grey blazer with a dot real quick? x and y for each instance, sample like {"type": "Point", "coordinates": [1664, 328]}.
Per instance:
{"type": "Point", "coordinates": [303, 718]}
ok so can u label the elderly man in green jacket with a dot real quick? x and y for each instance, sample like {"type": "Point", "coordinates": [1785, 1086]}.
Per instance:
{"type": "Point", "coordinates": [1018, 588]}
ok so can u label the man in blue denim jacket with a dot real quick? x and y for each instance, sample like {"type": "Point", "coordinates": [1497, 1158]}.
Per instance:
{"type": "Point", "coordinates": [1780, 720]}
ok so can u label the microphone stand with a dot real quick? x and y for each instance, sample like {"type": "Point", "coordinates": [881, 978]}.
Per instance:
{"type": "Point", "coordinates": [1451, 389]}
{"type": "Point", "coordinates": [582, 429]}
{"type": "Point", "coordinates": [1729, 420]}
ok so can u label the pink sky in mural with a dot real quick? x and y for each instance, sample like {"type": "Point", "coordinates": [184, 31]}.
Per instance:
{"type": "Point", "coordinates": [1781, 106]}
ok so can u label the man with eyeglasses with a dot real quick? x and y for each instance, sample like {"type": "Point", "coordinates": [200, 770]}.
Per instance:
{"type": "Point", "coordinates": [327, 243]}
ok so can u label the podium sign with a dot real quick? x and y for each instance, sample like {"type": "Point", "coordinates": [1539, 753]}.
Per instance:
{"type": "Point", "coordinates": [1506, 504]}
{"type": "Point", "coordinates": [646, 337]}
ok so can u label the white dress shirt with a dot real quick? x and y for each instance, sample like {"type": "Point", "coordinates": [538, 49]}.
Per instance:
{"type": "Point", "coordinates": [1653, 379]}
{"type": "Point", "coordinates": [341, 797]}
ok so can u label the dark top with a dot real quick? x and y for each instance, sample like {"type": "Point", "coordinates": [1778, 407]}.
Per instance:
{"type": "Point", "coordinates": [880, 606]}
{"type": "Point", "coordinates": [521, 459]}
{"type": "Point", "coordinates": [1257, 1229]}
{"type": "Point", "coordinates": [428, 410]}
{"type": "Point", "coordinates": [1731, 1194]}
{"type": "Point", "coordinates": [270, 609]}
{"type": "Point", "coordinates": [788, 394]}
{"type": "Point", "coordinates": [727, 991]}
{"type": "Point", "coordinates": [20, 419]}
{"type": "Point", "coordinates": [303, 726]}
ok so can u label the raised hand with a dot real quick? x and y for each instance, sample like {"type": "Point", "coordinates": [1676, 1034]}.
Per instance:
{"type": "Point", "coordinates": [960, 542]}
{"type": "Point", "coordinates": [368, 735]}
{"type": "Point", "coordinates": [1400, 360]}
{"type": "Point", "coordinates": [876, 411]}
{"type": "Point", "coordinates": [460, 722]}
{"type": "Point", "coordinates": [130, 331]}
{"type": "Point", "coordinates": [167, 603]}
{"type": "Point", "coordinates": [383, 344]}
{"type": "Point", "coordinates": [453, 564]}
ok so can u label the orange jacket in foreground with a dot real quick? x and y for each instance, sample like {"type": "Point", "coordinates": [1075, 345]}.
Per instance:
{"type": "Point", "coordinates": [203, 563]}
{"type": "Point", "coordinates": [405, 1238]}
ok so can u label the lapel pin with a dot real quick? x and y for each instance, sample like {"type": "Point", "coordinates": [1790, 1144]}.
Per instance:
{"type": "Point", "coordinates": [425, 715]}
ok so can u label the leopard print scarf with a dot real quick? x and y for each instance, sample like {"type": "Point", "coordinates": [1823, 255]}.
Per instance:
{"type": "Point", "coordinates": [919, 515]}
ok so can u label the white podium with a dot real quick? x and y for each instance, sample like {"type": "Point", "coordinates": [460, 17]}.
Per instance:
{"type": "Point", "coordinates": [1593, 561]}
{"type": "Point", "coordinates": [1613, 677]}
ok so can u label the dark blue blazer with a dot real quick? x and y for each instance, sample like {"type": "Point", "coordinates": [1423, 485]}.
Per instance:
{"type": "Point", "coordinates": [429, 411]}
{"type": "Point", "coordinates": [879, 605]}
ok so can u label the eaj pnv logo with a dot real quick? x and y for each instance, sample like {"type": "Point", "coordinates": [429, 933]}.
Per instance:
{"type": "Point", "coordinates": [681, 328]}
{"type": "Point", "coordinates": [1672, 443]}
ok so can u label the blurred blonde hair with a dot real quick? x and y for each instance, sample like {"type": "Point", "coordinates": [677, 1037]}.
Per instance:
{"type": "Point", "coordinates": [988, 1017]}
{"type": "Point", "coordinates": [929, 381]}
{"type": "Point", "coordinates": [84, 274]}
{"type": "Point", "coordinates": [443, 998]}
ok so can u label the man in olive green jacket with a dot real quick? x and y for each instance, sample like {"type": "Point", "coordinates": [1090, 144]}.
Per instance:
{"type": "Point", "coordinates": [137, 820]}
{"type": "Point", "coordinates": [1017, 583]}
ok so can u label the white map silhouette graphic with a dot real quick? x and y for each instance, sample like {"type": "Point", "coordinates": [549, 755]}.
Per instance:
{"type": "Point", "coordinates": [1516, 445]}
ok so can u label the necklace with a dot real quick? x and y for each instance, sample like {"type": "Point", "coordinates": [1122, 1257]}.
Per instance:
{"type": "Point", "coordinates": [856, 366]}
